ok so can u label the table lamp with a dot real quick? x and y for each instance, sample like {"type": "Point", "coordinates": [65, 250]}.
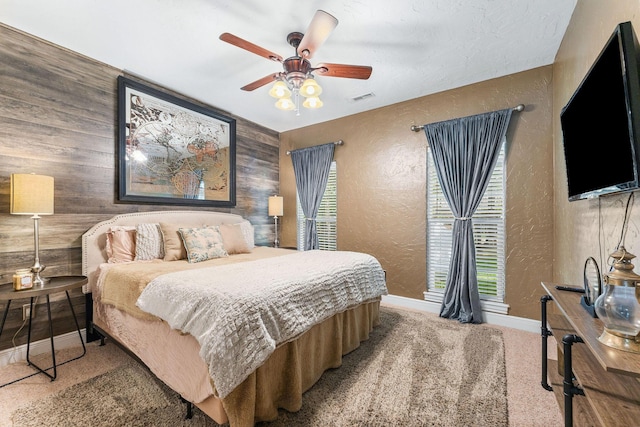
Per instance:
{"type": "Point", "coordinates": [276, 209]}
{"type": "Point", "coordinates": [32, 194]}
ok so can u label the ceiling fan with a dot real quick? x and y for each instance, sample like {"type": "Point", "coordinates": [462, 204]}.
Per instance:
{"type": "Point", "coordinates": [297, 76]}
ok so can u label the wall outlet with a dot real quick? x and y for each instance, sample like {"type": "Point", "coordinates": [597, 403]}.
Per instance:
{"type": "Point", "coordinates": [26, 311]}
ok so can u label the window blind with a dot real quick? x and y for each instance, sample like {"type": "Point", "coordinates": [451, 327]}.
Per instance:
{"type": "Point", "coordinates": [326, 220]}
{"type": "Point", "coordinates": [488, 228]}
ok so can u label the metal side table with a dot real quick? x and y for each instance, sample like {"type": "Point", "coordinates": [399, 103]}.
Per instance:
{"type": "Point", "coordinates": [55, 284]}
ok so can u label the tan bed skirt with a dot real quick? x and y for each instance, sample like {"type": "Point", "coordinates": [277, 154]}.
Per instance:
{"type": "Point", "coordinates": [279, 383]}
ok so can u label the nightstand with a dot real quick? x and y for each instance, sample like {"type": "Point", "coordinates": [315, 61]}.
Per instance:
{"type": "Point", "coordinates": [55, 284]}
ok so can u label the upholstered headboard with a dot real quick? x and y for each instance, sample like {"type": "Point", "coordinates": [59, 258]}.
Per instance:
{"type": "Point", "coordinates": [94, 240]}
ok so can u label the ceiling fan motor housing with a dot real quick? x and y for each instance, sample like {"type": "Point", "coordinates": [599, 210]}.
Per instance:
{"type": "Point", "coordinates": [296, 70]}
{"type": "Point", "coordinates": [294, 39]}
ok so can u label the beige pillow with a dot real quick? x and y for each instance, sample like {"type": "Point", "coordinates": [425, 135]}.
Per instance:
{"type": "Point", "coordinates": [233, 239]}
{"type": "Point", "coordinates": [173, 247]}
{"type": "Point", "coordinates": [203, 243]}
{"type": "Point", "coordinates": [121, 244]}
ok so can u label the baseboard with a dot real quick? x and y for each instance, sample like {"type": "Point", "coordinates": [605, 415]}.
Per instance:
{"type": "Point", "coordinates": [514, 322]}
{"type": "Point", "coordinates": [19, 353]}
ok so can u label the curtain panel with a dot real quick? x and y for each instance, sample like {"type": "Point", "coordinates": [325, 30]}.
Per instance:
{"type": "Point", "coordinates": [311, 167]}
{"type": "Point", "coordinates": [465, 152]}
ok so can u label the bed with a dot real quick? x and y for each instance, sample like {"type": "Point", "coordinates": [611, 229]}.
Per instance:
{"type": "Point", "coordinates": [237, 329]}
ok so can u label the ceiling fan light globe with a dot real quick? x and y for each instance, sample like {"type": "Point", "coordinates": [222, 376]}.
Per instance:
{"type": "Point", "coordinates": [285, 104]}
{"type": "Point", "coordinates": [310, 88]}
{"type": "Point", "coordinates": [280, 90]}
{"type": "Point", "coordinates": [312, 102]}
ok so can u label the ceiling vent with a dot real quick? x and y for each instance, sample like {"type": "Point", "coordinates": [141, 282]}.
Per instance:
{"type": "Point", "coordinates": [363, 97]}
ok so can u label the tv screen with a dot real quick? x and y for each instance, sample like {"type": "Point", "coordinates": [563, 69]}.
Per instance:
{"type": "Point", "coordinates": [600, 123]}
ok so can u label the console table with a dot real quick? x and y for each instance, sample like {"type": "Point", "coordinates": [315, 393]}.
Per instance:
{"type": "Point", "coordinates": [595, 385]}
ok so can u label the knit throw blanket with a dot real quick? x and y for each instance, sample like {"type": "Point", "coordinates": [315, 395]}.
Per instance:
{"type": "Point", "coordinates": [240, 313]}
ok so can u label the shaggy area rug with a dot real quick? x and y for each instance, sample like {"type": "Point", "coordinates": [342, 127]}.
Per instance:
{"type": "Point", "coordinates": [416, 369]}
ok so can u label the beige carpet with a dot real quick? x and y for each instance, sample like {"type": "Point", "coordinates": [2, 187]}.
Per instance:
{"type": "Point", "coordinates": [413, 371]}
{"type": "Point", "coordinates": [125, 396]}
{"type": "Point", "coordinates": [371, 388]}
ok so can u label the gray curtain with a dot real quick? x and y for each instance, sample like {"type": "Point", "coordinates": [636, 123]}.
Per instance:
{"type": "Point", "coordinates": [311, 167]}
{"type": "Point", "coordinates": [465, 152]}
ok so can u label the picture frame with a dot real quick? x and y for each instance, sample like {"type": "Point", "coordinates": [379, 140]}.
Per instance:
{"type": "Point", "coordinates": [172, 151]}
{"type": "Point", "coordinates": [592, 286]}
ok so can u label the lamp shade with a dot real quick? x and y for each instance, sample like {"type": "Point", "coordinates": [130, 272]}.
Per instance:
{"type": "Point", "coordinates": [31, 194]}
{"type": "Point", "coordinates": [312, 102]}
{"type": "Point", "coordinates": [280, 90]}
{"type": "Point", "coordinates": [310, 88]}
{"type": "Point", "coordinates": [275, 206]}
{"type": "Point", "coordinates": [285, 104]}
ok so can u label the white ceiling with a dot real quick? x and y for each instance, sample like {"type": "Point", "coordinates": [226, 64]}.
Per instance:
{"type": "Point", "coordinates": [416, 47]}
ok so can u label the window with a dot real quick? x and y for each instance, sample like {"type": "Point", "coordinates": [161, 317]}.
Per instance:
{"type": "Point", "coordinates": [488, 228]}
{"type": "Point", "coordinates": [326, 220]}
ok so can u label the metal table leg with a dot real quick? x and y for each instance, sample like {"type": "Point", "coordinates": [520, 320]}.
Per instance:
{"type": "Point", "coordinates": [569, 388]}
{"type": "Point", "coordinates": [53, 349]}
{"type": "Point", "coordinates": [545, 334]}
{"type": "Point", "coordinates": [4, 316]}
{"type": "Point", "coordinates": [75, 318]}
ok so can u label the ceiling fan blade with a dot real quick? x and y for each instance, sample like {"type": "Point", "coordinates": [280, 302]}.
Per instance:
{"type": "Point", "coordinates": [319, 29]}
{"type": "Point", "coordinates": [342, 70]}
{"type": "Point", "coordinates": [261, 82]}
{"type": "Point", "coordinates": [243, 44]}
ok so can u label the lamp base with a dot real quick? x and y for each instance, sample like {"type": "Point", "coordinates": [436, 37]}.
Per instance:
{"type": "Point", "coordinates": [276, 241]}
{"type": "Point", "coordinates": [37, 268]}
{"type": "Point", "coordinates": [621, 343]}
{"type": "Point", "coordinates": [38, 280]}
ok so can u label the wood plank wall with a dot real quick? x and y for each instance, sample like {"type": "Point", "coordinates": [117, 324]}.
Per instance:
{"type": "Point", "coordinates": [58, 117]}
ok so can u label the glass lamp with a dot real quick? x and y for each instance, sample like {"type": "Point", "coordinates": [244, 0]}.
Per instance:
{"type": "Point", "coordinates": [280, 90]}
{"type": "Point", "coordinates": [618, 307]}
{"type": "Point", "coordinates": [32, 194]}
{"type": "Point", "coordinates": [312, 102]}
{"type": "Point", "coordinates": [310, 88]}
{"type": "Point", "coordinates": [285, 104]}
{"type": "Point", "coordinates": [276, 209]}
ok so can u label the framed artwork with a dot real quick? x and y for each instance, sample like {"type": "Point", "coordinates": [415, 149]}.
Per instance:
{"type": "Point", "coordinates": [172, 151]}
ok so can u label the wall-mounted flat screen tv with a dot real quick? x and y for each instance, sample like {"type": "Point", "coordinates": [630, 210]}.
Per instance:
{"type": "Point", "coordinates": [601, 122]}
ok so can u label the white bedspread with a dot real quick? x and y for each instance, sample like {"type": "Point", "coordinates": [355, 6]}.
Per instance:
{"type": "Point", "coordinates": [240, 313]}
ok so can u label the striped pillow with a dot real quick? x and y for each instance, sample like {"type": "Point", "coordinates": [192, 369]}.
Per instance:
{"type": "Point", "coordinates": [249, 233]}
{"type": "Point", "coordinates": [149, 243]}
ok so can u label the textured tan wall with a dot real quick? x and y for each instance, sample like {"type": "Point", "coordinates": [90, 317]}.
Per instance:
{"type": "Point", "coordinates": [382, 182]}
{"type": "Point", "coordinates": [578, 234]}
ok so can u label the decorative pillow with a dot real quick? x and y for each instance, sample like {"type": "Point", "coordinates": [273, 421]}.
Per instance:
{"type": "Point", "coordinates": [203, 243]}
{"type": "Point", "coordinates": [121, 244]}
{"type": "Point", "coordinates": [249, 233]}
{"type": "Point", "coordinates": [172, 241]}
{"type": "Point", "coordinates": [233, 239]}
{"type": "Point", "coordinates": [149, 243]}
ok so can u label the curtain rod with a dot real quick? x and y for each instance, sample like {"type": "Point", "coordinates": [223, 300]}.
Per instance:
{"type": "Point", "coordinates": [415, 128]}
{"type": "Point", "coordinates": [338, 142]}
